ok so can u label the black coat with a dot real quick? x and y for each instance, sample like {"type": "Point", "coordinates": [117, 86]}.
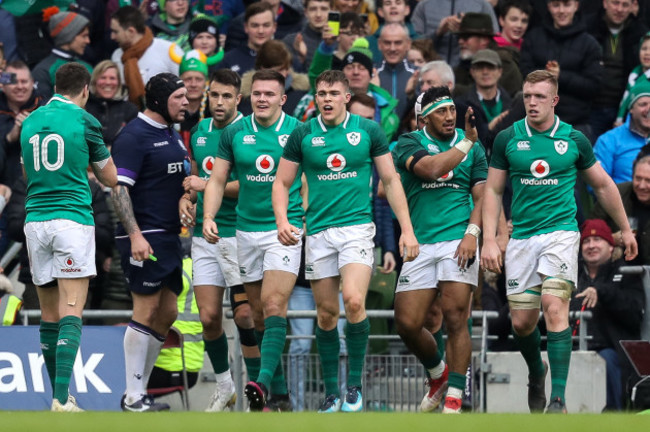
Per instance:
{"type": "Point", "coordinates": [579, 56]}
{"type": "Point", "coordinates": [112, 114]}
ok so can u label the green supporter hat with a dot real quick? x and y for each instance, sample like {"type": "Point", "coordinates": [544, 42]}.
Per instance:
{"type": "Point", "coordinates": [638, 91]}
{"type": "Point", "coordinates": [194, 60]}
{"type": "Point", "coordinates": [359, 52]}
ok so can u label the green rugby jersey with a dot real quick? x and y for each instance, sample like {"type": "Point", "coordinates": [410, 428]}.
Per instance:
{"type": "Point", "coordinates": [205, 142]}
{"type": "Point", "coordinates": [439, 209]}
{"type": "Point", "coordinates": [254, 152]}
{"type": "Point", "coordinates": [57, 142]}
{"type": "Point", "coordinates": [337, 162]}
{"type": "Point", "coordinates": [542, 167]}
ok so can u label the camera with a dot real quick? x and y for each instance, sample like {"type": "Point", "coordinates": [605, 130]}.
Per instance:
{"type": "Point", "coordinates": [7, 78]}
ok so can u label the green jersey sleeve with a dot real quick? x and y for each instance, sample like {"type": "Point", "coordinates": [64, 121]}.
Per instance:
{"type": "Point", "coordinates": [379, 143]}
{"type": "Point", "coordinates": [586, 158]}
{"type": "Point", "coordinates": [293, 149]}
{"type": "Point", "coordinates": [498, 159]}
{"type": "Point", "coordinates": [224, 151]}
{"type": "Point", "coordinates": [96, 148]}
{"type": "Point", "coordinates": [407, 145]}
{"type": "Point", "coordinates": [479, 167]}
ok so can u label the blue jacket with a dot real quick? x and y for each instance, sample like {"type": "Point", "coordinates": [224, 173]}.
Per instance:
{"type": "Point", "coordinates": [616, 150]}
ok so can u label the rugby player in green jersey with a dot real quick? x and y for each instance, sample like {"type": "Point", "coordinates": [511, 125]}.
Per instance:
{"type": "Point", "coordinates": [542, 156]}
{"type": "Point", "coordinates": [252, 147]}
{"type": "Point", "coordinates": [57, 142]}
{"type": "Point", "coordinates": [336, 151]}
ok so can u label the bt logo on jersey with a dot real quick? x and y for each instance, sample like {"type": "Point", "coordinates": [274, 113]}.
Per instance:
{"type": "Point", "coordinates": [174, 167]}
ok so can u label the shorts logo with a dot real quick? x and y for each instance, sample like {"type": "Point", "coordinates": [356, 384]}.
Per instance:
{"type": "Point", "coordinates": [69, 262]}
{"type": "Point", "coordinates": [69, 266]}
{"type": "Point", "coordinates": [249, 139]}
{"type": "Point", "coordinates": [446, 177]}
{"type": "Point", "coordinates": [242, 270]}
{"type": "Point", "coordinates": [265, 164]}
{"type": "Point", "coordinates": [540, 168]}
{"type": "Point", "coordinates": [513, 283]}
{"type": "Point", "coordinates": [433, 148]}
{"type": "Point", "coordinates": [564, 268]}
{"type": "Point", "coordinates": [523, 145]}
{"type": "Point", "coordinates": [363, 253]}
{"type": "Point", "coordinates": [318, 141]}
{"type": "Point", "coordinates": [282, 139]}
{"type": "Point", "coordinates": [208, 164]}
{"type": "Point", "coordinates": [354, 138]}
{"type": "Point", "coordinates": [309, 268]}
{"type": "Point", "coordinates": [336, 162]}
{"type": "Point", "coordinates": [200, 141]}
{"type": "Point", "coordinates": [404, 280]}
{"type": "Point", "coordinates": [561, 146]}
{"type": "Point", "coordinates": [286, 260]}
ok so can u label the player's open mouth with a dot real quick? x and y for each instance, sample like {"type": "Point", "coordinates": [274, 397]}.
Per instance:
{"type": "Point", "coordinates": [328, 108]}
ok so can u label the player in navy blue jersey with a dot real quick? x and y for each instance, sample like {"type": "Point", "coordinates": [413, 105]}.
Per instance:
{"type": "Point", "coordinates": [151, 164]}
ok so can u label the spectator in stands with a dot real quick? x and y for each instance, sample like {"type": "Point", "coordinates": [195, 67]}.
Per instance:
{"type": "Point", "coordinates": [617, 148]}
{"type": "Point", "coordinates": [475, 34]}
{"type": "Point", "coordinates": [287, 16]}
{"type": "Point", "coordinates": [440, 20]}
{"type": "Point", "coordinates": [140, 55]}
{"type": "Point", "coordinates": [392, 12]}
{"type": "Point", "coordinates": [360, 7]}
{"type": "Point", "coordinates": [640, 74]}
{"type": "Point", "coordinates": [173, 22]}
{"type": "Point", "coordinates": [393, 70]}
{"type": "Point", "coordinates": [260, 26]}
{"type": "Point", "coordinates": [10, 304]}
{"type": "Point", "coordinates": [304, 43]}
{"type": "Point", "coordinates": [618, 32]}
{"type": "Point", "coordinates": [107, 101]}
{"type": "Point", "coordinates": [486, 94]}
{"type": "Point", "coordinates": [70, 33]}
{"type": "Point", "coordinates": [514, 16]}
{"type": "Point", "coordinates": [17, 101]}
{"type": "Point", "coordinates": [563, 47]}
{"type": "Point", "coordinates": [8, 40]}
{"type": "Point", "coordinates": [636, 201]}
{"type": "Point", "coordinates": [351, 28]}
{"type": "Point", "coordinates": [275, 55]}
{"type": "Point", "coordinates": [194, 73]}
{"type": "Point", "coordinates": [616, 301]}
{"type": "Point", "coordinates": [421, 52]}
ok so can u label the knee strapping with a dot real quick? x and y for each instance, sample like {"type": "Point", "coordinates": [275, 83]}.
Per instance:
{"type": "Point", "coordinates": [557, 287]}
{"type": "Point", "coordinates": [529, 299]}
{"type": "Point", "coordinates": [247, 337]}
{"type": "Point", "coordinates": [238, 296]}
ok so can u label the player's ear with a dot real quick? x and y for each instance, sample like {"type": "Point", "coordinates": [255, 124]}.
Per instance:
{"type": "Point", "coordinates": [556, 99]}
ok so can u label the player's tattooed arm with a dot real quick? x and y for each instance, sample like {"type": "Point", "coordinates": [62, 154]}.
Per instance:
{"type": "Point", "coordinates": [124, 208]}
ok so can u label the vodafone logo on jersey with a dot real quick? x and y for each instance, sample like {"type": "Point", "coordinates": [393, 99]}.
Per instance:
{"type": "Point", "coordinates": [446, 177]}
{"type": "Point", "coordinates": [336, 162]}
{"type": "Point", "coordinates": [265, 164]}
{"type": "Point", "coordinates": [540, 168]}
{"type": "Point", "coordinates": [208, 164]}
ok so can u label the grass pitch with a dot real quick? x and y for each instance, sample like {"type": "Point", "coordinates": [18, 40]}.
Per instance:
{"type": "Point", "coordinates": [313, 422]}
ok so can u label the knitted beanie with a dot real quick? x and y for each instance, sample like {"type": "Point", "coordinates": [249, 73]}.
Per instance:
{"type": "Point", "coordinates": [203, 24]}
{"type": "Point", "coordinates": [639, 90]}
{"type": "Point", "coordinates": [64, 26]}
{"type": "Point", "coordinates": [359, 52]}
{"type": "Point", "coordinates": [596, 227]}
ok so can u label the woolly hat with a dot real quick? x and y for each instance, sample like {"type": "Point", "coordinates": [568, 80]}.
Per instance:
{"type": "Point", "coordinates": [203, 24]}
{"type": "Point", "coordinates": [359, 52]}
{"type": "Point", "coordinates": [194, 60]}
{"type": "Point", "coordinates": [64, 26]}
{"type": "Point", "coordinates": [638, 91]}
{"type": "Point", "coordinates": [596, 227]}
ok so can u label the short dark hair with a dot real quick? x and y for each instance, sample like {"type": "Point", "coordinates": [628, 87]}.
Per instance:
{"type": "Point", "coordinates": [130, 16]}
{"type": "Point", "coordinates": [269, 75]}
{"type": "Point", "coordinates": [71, 78]}
{"type": "Point", "coordinates": [18, 64]}
{"type": "Point", "coordinates": [363, 99]}
{"type": "Point", "coordinates": [226, 77]}
{"type": "Point", "coordinates": [435, 93]}
{"type": "Point", "coordinates": [321, 1]}
{"type": "Point", "coordinates": [353, 18]}
{"type": "Point", "coordinates": [332, 77]}
{"type": "Point", "coordinates": [258, 8]}
{"type": "Point", "coordinates": [522, 5]}
{"type": "Point", "coordinates": [273, 53]}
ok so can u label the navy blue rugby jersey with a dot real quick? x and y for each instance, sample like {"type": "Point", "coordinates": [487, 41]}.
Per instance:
{"type": "Point", "coordinates": [152, 161]}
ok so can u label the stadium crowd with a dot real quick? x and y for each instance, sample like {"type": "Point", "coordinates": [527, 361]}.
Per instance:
{"type": "Point", "coordinates": [425, 91]}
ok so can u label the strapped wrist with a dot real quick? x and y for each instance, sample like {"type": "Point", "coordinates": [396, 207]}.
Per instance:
{"type": "Point", "coordinates": [465, 145]}
{"type": "Point", "coordinates": [473, 229]}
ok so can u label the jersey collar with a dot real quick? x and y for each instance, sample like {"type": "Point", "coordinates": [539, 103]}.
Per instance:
{"type": "Point", "coordinates": [235, 120]}
{"type": "Point", "coordinates": [324, 128]}
{"type": "Point", "coordinates": [553, 129]}
{"type": "Point", "coordinates": [278, 124]}
{"type": "Point", "coordinates": [451, 143]}
{"type": "Point", "coordinates": [59, 98]}
{"type": "Point", "coordinates": [151, 121]}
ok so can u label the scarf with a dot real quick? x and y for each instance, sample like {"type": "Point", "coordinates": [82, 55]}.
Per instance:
{"type": "Point", "coordinates": [132, 76]}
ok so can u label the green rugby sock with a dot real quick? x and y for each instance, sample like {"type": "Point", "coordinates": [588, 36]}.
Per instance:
{"type": "Point", "coordinates": [357, 341]}
{"type": "Point", "coordinates": [279, 382]}
{"type": "Point", "coordinates": [329, 348]}
{"type": "Point", "coordinates": [275, 335]}
{"type": "Point", "coordinates": [440, 341]}
{"type": "Point", "coordinates": [66, 351]}
{"type": "Point", "coordinates": [529, 348]}
{"type": "Point", "coordinates": [253, 367]}
{"type": "Point", "coordinates": [457, 381]}
{"type": "Point", "coordinates": [49, 337]}
{"type": "Point", "coordinates": [217, 350]}
{"type": "Point", "coordinates": [559, 357]}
